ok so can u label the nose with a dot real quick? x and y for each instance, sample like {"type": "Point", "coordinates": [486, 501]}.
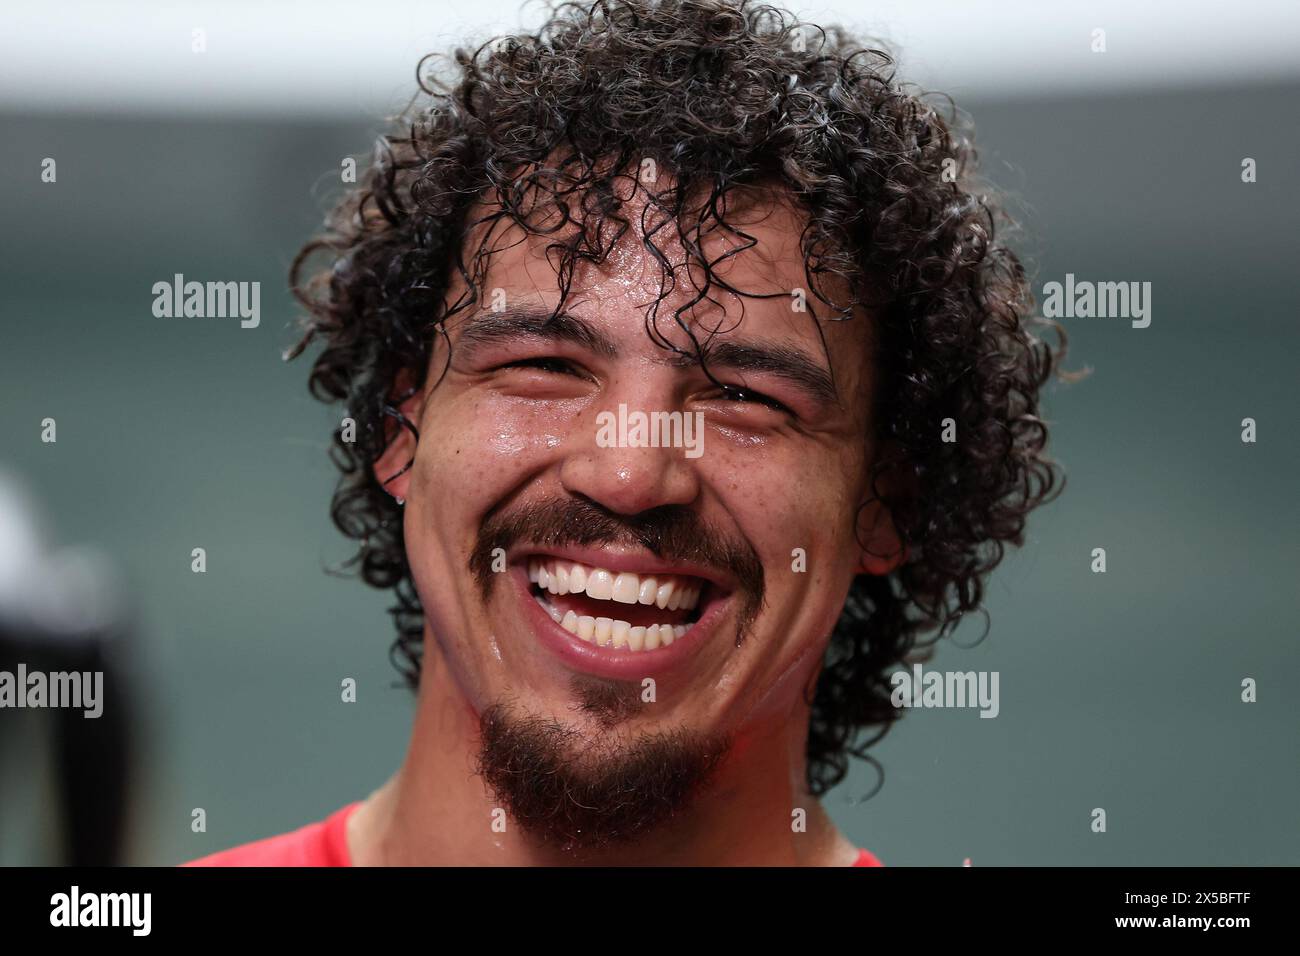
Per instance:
{"type": "Point", "coordinates": [631, 475]}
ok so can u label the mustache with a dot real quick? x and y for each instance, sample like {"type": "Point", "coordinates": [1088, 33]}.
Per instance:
{"type": "Point", "coordinates": [669, 532]}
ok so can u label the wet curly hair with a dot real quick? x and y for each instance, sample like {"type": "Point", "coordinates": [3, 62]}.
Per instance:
{"type": "Point", "coordinates": [725, 94]}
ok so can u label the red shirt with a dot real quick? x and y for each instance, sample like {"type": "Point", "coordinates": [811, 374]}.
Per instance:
{"type": "Point", "coordinates": [325, 843]}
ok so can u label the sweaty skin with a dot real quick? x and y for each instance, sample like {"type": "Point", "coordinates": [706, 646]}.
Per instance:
{"type": "Point", "coordinates": [496, 437]}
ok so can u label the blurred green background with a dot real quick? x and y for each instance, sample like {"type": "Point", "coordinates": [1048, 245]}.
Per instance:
{"type": "Point", "coordinates": [1118, 690]}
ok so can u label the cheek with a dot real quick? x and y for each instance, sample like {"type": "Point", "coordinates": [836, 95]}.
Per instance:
{"type": "Point", "coordinates": [786, 497]}
{"type": "Point", "coordinates": [473, 454]}
{"type": "Point", "coordinates": [475, 450]}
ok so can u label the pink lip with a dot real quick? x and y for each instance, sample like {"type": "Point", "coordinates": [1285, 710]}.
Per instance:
{"type": "Point", "coordinates": [609, 661]}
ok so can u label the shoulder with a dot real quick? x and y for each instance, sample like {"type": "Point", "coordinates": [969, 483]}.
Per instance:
{"type": "Point", "coordinates": [867, 858]}
{"type": "Point", "coordinates": [323, 843]}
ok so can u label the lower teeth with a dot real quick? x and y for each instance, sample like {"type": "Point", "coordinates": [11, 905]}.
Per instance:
{"type": "Point", "coordinates": [607, 632]}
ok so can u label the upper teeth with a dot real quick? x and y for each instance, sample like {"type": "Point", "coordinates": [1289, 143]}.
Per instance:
{"type": "Point", "coordinates": [569, 577]}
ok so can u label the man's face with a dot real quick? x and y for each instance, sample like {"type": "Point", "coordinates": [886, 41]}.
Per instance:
{"type": "Point", "coordinates": [715, 572]}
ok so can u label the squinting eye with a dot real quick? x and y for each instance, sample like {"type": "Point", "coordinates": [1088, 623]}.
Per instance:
{"type": "Point", "coordinates": [558, 366]}
{"type": "Point", "coordinates": [737, 394]}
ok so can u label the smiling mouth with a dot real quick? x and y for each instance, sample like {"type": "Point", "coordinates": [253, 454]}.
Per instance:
{"type": "Point", "coordinates": [618, 610]}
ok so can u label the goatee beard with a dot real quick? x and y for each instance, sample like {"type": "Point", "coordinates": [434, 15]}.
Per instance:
{"type": "Point", "coordinates": [569, 793]}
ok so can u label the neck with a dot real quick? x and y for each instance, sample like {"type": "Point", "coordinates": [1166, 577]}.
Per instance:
{"type": "Point", "coordinates": [436, 811]}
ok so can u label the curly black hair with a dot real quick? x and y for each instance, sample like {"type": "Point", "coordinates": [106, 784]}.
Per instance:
{"type": "Point", "coordinates": [727, 95]}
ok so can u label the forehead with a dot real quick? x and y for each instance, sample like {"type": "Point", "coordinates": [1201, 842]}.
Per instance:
{"type": "Point", "coordinates": [756, 286]}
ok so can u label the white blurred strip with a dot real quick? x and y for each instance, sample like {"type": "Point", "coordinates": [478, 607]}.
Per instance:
{"type": "Point", "coordinates": [357, 59]}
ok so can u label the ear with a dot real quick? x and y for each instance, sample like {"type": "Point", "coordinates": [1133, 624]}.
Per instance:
{"type": "Point", "coordinates": [392, 469]}
{"type": "Point", "coordinates": [881, 544]}
{"type": "Point", "coordinates": [882, 548]}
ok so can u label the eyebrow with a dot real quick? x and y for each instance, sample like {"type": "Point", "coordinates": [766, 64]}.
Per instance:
{"type": "Point", "coordinates": [786, 362]}
{"type": "Point", "coordinates": [489, 328]}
